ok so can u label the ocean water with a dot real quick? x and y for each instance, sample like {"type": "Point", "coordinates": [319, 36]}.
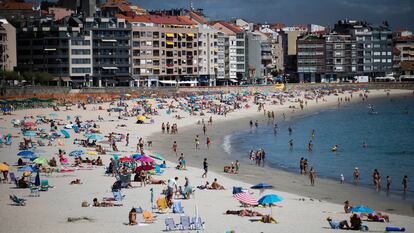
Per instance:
{"type": "Point", "coordinates": [389, 135]}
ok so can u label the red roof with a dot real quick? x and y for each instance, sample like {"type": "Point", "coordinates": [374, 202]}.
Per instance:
{"type": "Point", "coordinates": [12, 5]}
{"type": "Point", "coordinates": [231, 27]}
{"type": "Point", "coordinates": [158, 19]}
{"type": "Point", "coordinates": [198, 18]}
{"type": "Point", "coordinates": [121, 4]}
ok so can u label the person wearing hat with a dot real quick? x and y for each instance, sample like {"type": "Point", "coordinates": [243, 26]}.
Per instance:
{"type": "Point", "coordinates": [356, 176]}
{"type": "Point", "coordinates": [338, 225]}
{"type": "Point", "coordinates": [347, 207]}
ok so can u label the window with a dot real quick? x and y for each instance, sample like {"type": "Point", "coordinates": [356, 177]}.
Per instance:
{"type": "Point", "coordinates": [81, 61]}
{"type": "Point", "coordinates": [81, 51]}
{"type": "Point", "coordinates": [81, 70]}
{"type": "Point", "coordinates": [80, 42]}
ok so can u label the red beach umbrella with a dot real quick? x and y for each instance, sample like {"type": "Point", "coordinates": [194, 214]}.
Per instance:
{"type": "Point", "coordinates": [124, 159]}
{"type": "Point", "coordinates": [246, 198]}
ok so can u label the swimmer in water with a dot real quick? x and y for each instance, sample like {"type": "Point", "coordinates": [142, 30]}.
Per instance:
{"type": "Point", "coordinates": [364, 145]}
{"type": "Point", "coordinates": [313, 134]}
{"type": "Point", "coordinates": [290, 130]}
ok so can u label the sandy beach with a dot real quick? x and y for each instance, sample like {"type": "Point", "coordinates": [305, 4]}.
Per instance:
{"type": "Point", "coordinates": [304, 209]}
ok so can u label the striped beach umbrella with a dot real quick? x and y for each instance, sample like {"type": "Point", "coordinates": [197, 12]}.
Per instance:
{"type": "Point", "coordinates": [246, 198]}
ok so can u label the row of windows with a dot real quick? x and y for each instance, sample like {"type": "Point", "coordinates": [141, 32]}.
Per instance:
{"type": "Point", "coordinates": [81, 70]}
{"type": "Point", "coordinates": [80, 42]}
{"type": "Point", "coordinates": [81, 51]}
{"type": "Point", "coordinates": [81, 61]}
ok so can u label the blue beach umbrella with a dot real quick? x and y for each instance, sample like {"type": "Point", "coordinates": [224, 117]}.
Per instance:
{"type": "Point", "coordinates": [65, 133]}
{"type": "Point", "coordinates": [262, 186]}
{"type": "Point", "coordinates": [96, 137]}
{"type": "Point", "coordinates": [26, 153]}
{"type": "Point", "coordinates": [26, 169]}
{"type": "Point", "coordinates": [362, 209]}
{"type": "Point", "coordinates": [136, 156]}
{"type": "Point", "coordinates": [270, 199]}
{"type": "Point", "coordinates": [76, 153]}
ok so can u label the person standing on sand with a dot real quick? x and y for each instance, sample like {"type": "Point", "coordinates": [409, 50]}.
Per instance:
{"type": "Point", "coordinates": [197, 142]}
{"type": "Point", "coordinates": [174, 147]}
{"type": "Point", "coordinates": [205, 167]}
{"type": "Point", "coordinates": [312, 175]}
{"type": "Point", "coordinates": [127, 139]}
{"type": "Point", "coordinates": [356, 176]}
{"type": "Point", "coordinates": [208, 142]}
{"type": "Point", "coordinates": [204, 129]}
{"type": "Point", "coordinates": [163, 127]}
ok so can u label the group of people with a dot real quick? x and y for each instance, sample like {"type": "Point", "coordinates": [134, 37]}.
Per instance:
{"type": "Point", "coordinates": [169, 128]}
{"type": "Point", "coordinates": [258, 157]}
{"type": "Point", "coordinates": [233, 168]}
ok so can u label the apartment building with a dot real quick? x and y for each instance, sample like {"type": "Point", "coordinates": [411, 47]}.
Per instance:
{"type": "Point", "coordinates": [404, 56]}
{"type": "Point", "coordinates": [111, 47]}
{"type": "Point", "coordinates": [311, 58]}
{"type": "Point", "coordinates": [373, 44]}
{"type": "Point", "coordinates": [207, 54]}
{"type": "Point", "coordinates": [259, 56]}
{"type": "Point", "coordinates": [232, 52]}
{"type": "Point", "coordinates": [340, 58]}
{"type": "Point", "coordinates": [8, 60]}
{"type": "Point", "coordinates": [164, 50]}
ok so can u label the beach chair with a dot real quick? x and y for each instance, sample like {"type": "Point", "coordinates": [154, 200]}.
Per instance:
{"type": "Point", "coordinates": [44, 186]}
{"type": "Point", "coordinates": [197, 224]}
{"type": "Point", "coordinates": [177, 208]}
{"type": "Point", "coordinates": [13, 178]}
{"type": "Point", "coordinates": [34, 190]}
{"type": "Point", "coordinates": [18, 201]}
{"type": "Point", "coordinates": [8, 141]}
{"type": "Point", "coordinates": [185, 223]}
{"type": "Point", "coordinates": [148, 217]}
{"type": "Point", "coordinates": [170, 224]}
{"type": "Point", "coordinates": [162, 205]}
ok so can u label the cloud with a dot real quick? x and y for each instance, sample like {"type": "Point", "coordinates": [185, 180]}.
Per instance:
{"type": "Point", "coordinates": [400, 13]}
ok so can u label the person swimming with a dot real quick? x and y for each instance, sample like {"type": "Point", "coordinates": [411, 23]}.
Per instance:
{"type": "Point", "coordinates": [334, 148]}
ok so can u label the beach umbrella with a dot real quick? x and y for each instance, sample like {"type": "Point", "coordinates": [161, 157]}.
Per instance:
{"type": "Point", "coordinates": [29, 133]}
{"type": "Point", "coordinates": [40, 160]}
{"type": "Point", "coordinates": [270, 199]}
{"type": "Point", "coordinates": [124, 159]}
{"type": "Point", "coordinates": [136, 156]}
{"type": "Point", "coordinates": [65, 133]}
{"type": "Point", "coordinates": [157, 156]}
{"type": "Point", "coordinates": [262, 187]}
{"type": "Point", "coordinates": [246, 198]}
{"type": "Point", "coordinates": [37, 179]}
{"type": "Point", "coordinates": [29, 124]}
{"type": "Point", "coordinates": [76, 153]}
{"type": "Point", "coordinates": [141, 118]}
{"type": "Point", "coordinates": [146, 159]}
{"type": "Point", "coordinates": [26, 169]}
{"type": "Point", "coordinates": [26, 153]}
{"type": "Point", "coordinates": [4, 167]}
{"type": "Point", "coordinates": [362, 209]}
{"type": "Point", "coordinates": [6, 109]}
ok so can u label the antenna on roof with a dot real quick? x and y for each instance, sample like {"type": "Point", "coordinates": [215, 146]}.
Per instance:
{"type": "Point", "coordinates": [191, 5]}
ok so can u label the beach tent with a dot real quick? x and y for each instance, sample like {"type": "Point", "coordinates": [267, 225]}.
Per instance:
{"type": "Point", "coordinates": [246, 198]}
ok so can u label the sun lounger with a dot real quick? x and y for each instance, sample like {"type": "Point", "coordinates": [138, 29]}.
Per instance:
{"type": "Point", "coordinates": [170, 224]}
{"type": "Point", "coordinates": [18, 201]}
{"type": "Point", "coordinates": [148, 217]}
{"type": "Point", "coordinates": [185, 223]}
{"type": "Point", "coordinates": [197, 224]}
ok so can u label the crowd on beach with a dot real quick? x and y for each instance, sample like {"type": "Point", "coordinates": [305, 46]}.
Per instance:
{"type": "Point", "coordinates": [138, 165]}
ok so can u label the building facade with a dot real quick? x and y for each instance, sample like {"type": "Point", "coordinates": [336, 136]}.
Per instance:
{"type": "Point", "coordinates": [259, 56]}
{"type": "Point", "coordinates": [340, 58]}
{"type": "Point", "coordinates": [404, 57]}
{"type": "Point", "coordinates": [207, 54]}
{"type": "Point", "coordinates": [8, 53]}
{"type": "Point", "coordinates": [311, 58]}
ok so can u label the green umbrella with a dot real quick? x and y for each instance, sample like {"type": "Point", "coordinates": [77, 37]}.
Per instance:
{"type": "Point", "coordinates": [157, 156]}
{"type": "Point", "coordinates": [40, 160]}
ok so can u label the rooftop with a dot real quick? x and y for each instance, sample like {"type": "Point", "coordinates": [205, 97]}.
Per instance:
{"type": "Point", "coordinates": [13, 5]}
{"type": "Point", "coordinates": [158, 19]}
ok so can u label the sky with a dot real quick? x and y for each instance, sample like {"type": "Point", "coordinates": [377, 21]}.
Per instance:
{"type": "Point", "coordinates": [399, 13]}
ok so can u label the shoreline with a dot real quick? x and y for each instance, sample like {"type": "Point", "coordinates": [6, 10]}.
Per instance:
{"type": "Point", "coordinates": [326, 189]}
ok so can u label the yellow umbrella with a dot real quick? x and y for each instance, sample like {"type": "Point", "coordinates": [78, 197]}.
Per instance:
{"type": "Point", "coordinates": [92, 153]}
{"type": "Point", "coordinates": [27, 173]}
{"type": "Point", "coordinates": [4, 167]}
{"type": "Point", "coordinates": [141, 118]}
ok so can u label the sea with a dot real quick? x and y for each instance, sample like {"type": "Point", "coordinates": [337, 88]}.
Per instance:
{"type": "Point", "coordinates": [385, 126]}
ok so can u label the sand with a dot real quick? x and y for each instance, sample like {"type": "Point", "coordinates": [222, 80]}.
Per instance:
{"type": "Point", "coordinates": [49, 212]}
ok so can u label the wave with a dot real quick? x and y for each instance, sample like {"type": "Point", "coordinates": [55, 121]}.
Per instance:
{"type": "Point", "coordinates": [227, 144]}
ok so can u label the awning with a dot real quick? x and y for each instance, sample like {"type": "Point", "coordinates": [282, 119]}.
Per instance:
{"type": "Point", "coordinates": [188, 82]}
{"type": "Point", "coordinates": [107, 40]}
{"type": "Point", "coordinates": [109, 68]}
{"type": "Point", "coordinates": [170, 35]}
{"type": "Point", "coordinates": [64, 79]}
{"type": "Point", "coordinates": [180, 34]}
{"type": "Point", "coordinates": [234, 80]}
{"type": "Point", "coordinates": [190, 34]}
{"type": "Point", "coordinates": [170, 43]}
